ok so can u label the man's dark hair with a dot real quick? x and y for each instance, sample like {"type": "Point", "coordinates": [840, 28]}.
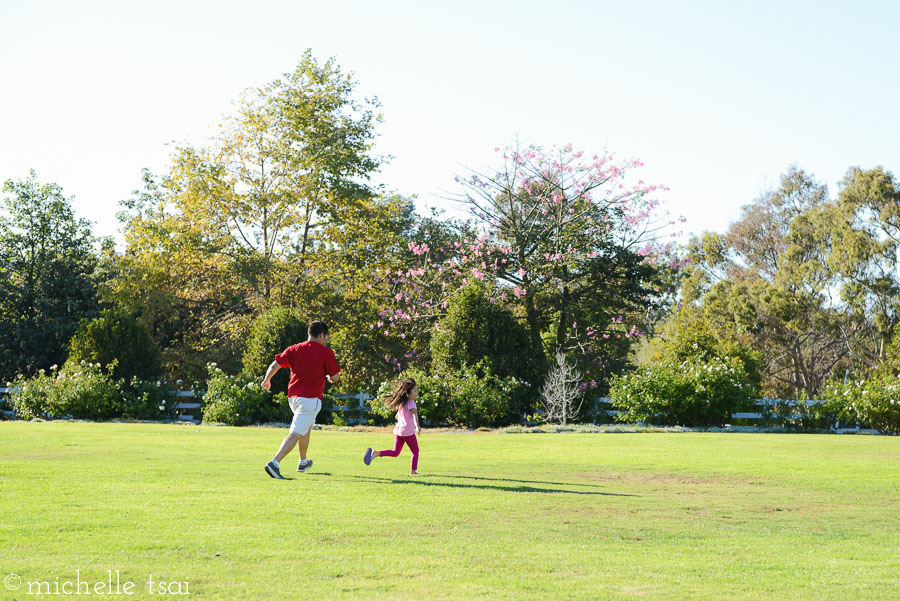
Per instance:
{"type": "Point", "coordinates": [317, 328]}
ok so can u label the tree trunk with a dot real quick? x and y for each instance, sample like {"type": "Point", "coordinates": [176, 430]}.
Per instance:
{"type": "Point", "coordinates": [534, 326]}
{"type": "Point", "coordinates": [306, 227]}
{"type": "Point", "coordinates": [561, 326]}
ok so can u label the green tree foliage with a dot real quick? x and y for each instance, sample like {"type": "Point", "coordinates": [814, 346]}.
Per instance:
{"type": "Point", "coordinates": [368, 244]}
{"type": "Point", "coordinates": [864, 252]}
{"type": "Point", "coordinates": [47, 276]}
{"type": "Point", "coordinates": [476, 330]}
{"type": "Point", "coordinates": [116, 337]}
{"type": "Point", "coordinates": [686, 336]}
{"type": "Point", "coordinates": [244, 223]}
{"type": "Point", "coordinates": [811, 284]}
{"type": "Point", "coordinates": [692, 392]}
{"type": "Point", "coordinates": [569, 242]}
{"type": "Point", "coordinates": [469, 396]}
{"type": "Point", "coordinates": [766, 285]}
{"type": "Point", "coordinates": [239, 400]}
{"type": "Point", "coordinates": [271, 333]}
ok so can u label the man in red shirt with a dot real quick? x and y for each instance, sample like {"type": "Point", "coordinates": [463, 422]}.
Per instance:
{"type": "Point", "coordinates": [311, 363]}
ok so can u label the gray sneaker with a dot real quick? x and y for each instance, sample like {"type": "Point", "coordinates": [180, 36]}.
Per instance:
{"type": "Point", "coordinates": [272, 470]}
{"type": "Point", "coordinates": [304, 465]}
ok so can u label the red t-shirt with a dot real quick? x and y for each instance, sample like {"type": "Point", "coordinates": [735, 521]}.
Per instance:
{"type": "Point", "coordinates": [309, 362]}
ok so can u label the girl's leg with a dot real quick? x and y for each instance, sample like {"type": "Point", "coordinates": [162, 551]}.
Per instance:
{"type": "Point", "coordinates": [398, 446]}
{"type": "Point", "coordinates": [414, 447]}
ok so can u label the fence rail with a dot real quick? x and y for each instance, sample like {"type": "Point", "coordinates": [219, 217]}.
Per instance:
{"type": "Point", "coordinates": [185, 409]}
{"type": "Point", "coordinates": [759, 415]}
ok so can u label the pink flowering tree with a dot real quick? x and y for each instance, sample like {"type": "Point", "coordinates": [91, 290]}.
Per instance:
{"type": "Point", "coordinates": [574, 244]}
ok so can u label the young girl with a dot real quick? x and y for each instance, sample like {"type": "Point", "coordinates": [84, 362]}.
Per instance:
{"type": "Point", "coordinates": [403, 401]}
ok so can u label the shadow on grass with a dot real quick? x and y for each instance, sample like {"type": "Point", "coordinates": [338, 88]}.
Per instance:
{"type": "Point", "coordinates": [418, 480]}
{"type": "Point", "coordinates": [439, 475]}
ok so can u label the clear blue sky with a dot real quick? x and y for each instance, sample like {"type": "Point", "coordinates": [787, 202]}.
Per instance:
{"type": "Point", "coordinates": [717, 98]}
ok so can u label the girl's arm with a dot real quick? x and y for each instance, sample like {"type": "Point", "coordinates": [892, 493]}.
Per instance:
{"type": "Point", "coordinates": [415, 416]}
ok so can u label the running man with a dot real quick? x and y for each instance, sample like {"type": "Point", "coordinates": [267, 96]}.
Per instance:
{"type": "Point", "coordinates": [311, 364]}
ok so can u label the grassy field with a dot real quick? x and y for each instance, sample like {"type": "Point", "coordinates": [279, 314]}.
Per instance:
{"type": "Point", "coordinates": [494, 516]}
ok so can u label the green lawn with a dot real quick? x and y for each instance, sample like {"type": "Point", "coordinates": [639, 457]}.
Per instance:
{"type": "Point", "coordinates": [494, 516]}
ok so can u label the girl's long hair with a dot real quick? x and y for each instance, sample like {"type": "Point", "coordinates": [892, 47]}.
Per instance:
{"type": "Point", "coordinates": [400, 396]}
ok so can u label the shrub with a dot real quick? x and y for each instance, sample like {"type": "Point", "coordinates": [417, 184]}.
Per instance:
{"type": "Point", "coordinates": [88, 391]}
{"type": "Point", "coordinates": [116, 336]}
{"type": "Point", "coordinates": [5, 405]}
{"type": "Point", "coordinates": [145, 400]}
{"type": "Point", "coordinates": [685, 337]}
{"type": "Point", "coordinates": [691, 393]}
{"type": "Point", "coordinates": [271, 333]}
{"type": "Point", "coordinates": [80, 391]}
{"type": "Point", "coordinates": [476, 332]}
{"type": "Point", "coordinates": [240, 400]}
{"type": "Point", "coordinates": [462, 397]}
{"type": "Point", "coordinates": [874, 402]}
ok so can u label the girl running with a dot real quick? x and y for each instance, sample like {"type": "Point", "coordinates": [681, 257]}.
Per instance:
{"type": "Point", "coordinates": [403, 401]}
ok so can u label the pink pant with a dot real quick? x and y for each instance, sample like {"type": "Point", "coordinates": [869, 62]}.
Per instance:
{"type": "Point", "coordinates": [398, 446]}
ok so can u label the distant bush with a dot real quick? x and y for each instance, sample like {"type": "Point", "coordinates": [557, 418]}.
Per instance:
{"type": "Point", "coordinates": [690, 393]}
{"type": "Point", "coordinates": [146, 400]}
{"type": "Point", "coordinates": [78, 391]}
{"type": "Point", "coordinates": [684, 337]}
{"type": "Point", "coordinates": [240, 400]}
{"type": "Point", "coordinates": [874, 403]}
{"type": "Point", "coordinates": [271, 333]}
{"type": "Point", "coordinates": [469, 396]}
{"type": "Point", "coordinates": [88, 391]}
{"type": "Point", "coordinates": [116, 336]}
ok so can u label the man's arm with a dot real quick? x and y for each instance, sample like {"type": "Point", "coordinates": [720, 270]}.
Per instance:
{"type": "Point", "coordinates": [267, 381]}
{"type": "Point", "coordinates": [333, 378]}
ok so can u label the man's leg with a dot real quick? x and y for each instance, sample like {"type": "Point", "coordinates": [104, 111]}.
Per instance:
{"type": "Point", "coordinates": [288, 443]}
{"type": "Point", "coordinates": [303, 444]}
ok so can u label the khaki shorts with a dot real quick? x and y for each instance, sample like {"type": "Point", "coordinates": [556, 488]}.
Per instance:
{"type": "Point", "coordinates": [305, 412]}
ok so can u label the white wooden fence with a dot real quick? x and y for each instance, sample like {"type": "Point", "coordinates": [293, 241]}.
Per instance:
{"type": "Point", "coordinates": [186, 409]}
{"type": "Point", "coordinates": [763, 403]}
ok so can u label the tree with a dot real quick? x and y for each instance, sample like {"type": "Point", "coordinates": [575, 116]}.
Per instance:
{"type": "Point", "coordinates": [237, 226]}
{"type": "Point", "coordinates": [294, 157]}
{"type": "Point", "coordinates": [476, 330]}
{"type": "Point", "coordinates": [864, 251]}
{"type": "Point", "coordinates": [570, 242]}
{"type": "Point", "coordinates": [560, 391]}
{"type": "Point", "coordinates": [47, 271]}
{"type": "Point", "coordinates": [767, 284]}
{"type": "Point", "coordinates": [117, 336]}
{"type": "Point", "coordinates": [271, 333]}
